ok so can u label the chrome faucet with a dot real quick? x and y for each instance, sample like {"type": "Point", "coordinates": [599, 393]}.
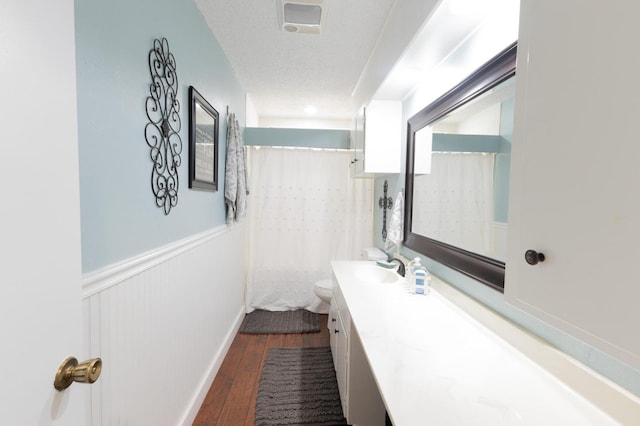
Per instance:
{"type": "Point", "coordinates": [400, 265]}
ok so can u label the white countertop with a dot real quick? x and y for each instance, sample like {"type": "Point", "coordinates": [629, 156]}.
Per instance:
{"type": "Point", "coordinates": [434, 364]}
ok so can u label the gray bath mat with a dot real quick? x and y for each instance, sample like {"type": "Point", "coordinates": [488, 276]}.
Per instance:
{"type": "Point", "coordinates": [298, 387]}
{"type": "Point", "coordinates": [266, 322]}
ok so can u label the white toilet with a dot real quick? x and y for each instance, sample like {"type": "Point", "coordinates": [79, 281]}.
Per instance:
{"type": "Point", "coordinates": [324, 290]}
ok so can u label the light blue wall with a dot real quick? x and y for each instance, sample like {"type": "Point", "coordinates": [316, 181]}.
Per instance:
{"type": "Point", "coordinates": [311, 138]}
{"type": "Point", "coordinates": [618, 372]}
{"type": "Point", "coordinates": [113, 39]}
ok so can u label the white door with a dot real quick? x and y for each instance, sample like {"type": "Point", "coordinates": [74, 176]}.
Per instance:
{"type": "Point", "coordinates": [40, 269]}
{"type": "Point", "coordinates": [575, 172]}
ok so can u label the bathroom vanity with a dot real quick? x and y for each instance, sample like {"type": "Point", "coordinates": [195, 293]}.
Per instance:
{"type": "Point", "coordinates": [446, 359]}
{"type": "Point", "coordinates": [361, 401]}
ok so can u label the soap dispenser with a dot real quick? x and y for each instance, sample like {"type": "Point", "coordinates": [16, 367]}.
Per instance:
{"type": "Point", "coordinates": [420, 281]}
{"type": "Point", "coordinates": [411, 268]}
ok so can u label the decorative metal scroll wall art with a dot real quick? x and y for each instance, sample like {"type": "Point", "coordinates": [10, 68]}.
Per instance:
{"type": "Point", "coordinates": [161, 132]}
{"type": "Point", "coordinates": [385, 203]}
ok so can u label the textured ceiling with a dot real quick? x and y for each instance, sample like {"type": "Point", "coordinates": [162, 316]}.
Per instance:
{"type": "Point", "coordinates": [285, 72]}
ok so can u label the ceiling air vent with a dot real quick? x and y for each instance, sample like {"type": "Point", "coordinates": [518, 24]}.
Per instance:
{"type": "Point", "coordinates": [302, 16]}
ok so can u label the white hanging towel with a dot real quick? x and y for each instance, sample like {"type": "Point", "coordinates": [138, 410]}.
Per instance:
{"type": "Point", "coordinates": [236, 186]}
{"type": "Point", "coordinates": [394, 231]}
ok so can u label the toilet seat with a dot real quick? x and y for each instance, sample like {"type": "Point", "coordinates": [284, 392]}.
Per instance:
{"type": "Point", "coordinates": [328, 284]}
{"type": "Point", "coordinates": [324, 290]}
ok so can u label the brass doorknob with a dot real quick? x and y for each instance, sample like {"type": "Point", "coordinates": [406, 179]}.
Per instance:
{"type": "Point", "coordinates": [70, 371]}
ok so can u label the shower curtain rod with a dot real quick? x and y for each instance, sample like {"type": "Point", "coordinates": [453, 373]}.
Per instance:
{"type": "Point", "coordinates": [306, 148]}
{"type": "Point", "coordinates": [464, 152]}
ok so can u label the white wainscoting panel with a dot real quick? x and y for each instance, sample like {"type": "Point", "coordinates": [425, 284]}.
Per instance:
{"type": "Point", "coordinates": [162, 324]}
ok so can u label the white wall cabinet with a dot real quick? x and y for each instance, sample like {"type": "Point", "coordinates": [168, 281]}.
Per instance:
{"type": "Point", "coordinates": [375, 139]}
{"type": "Point", "coordinates": [576, 170]}
{"type": "Point", "coordinates": [361, 401]}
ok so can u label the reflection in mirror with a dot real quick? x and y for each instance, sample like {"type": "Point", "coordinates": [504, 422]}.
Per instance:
{"type": "Point", "coordinates": [460, 192]}
{"type": "Point", "coordinates": [457, 174]}
{"type": "Point", "coordinates": [205, 131]}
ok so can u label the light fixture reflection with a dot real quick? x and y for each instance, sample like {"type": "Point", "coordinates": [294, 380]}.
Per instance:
{"type": "Point", "coordinates": [423, 150]}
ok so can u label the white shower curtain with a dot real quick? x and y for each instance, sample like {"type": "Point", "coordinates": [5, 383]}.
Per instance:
{"type": "Point", "coordinates": [306, 211]}
{"type": "Point", "coordinates": [454, 203]}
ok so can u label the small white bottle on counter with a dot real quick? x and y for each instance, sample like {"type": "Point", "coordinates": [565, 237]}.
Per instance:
{"type": "Point", "coordinates": [409, 273]}
{"type": "Point", "coordinates": [421, 280]}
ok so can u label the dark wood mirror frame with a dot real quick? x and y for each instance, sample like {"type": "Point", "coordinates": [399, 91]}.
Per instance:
{"type": "Point", "coordinates": [195, 161]}
{"type": "Point", "coordinates": [482, 268]}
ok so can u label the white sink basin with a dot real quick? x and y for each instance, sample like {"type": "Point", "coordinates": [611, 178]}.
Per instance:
{"type": "Point", "coordinates": [376, 274]}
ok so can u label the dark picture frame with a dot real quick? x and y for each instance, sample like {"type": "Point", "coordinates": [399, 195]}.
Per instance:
{"type": "Point", "coordinates": [484, 269]}
{"type": "Point", "coordinates": [203, 143]}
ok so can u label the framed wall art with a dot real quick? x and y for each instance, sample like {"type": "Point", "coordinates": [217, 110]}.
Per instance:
{"type": "Point", "coordinates": [203, 143]}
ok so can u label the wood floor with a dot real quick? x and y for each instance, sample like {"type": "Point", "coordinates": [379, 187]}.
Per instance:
{"type": "Point", "coordinates": [231, 401]}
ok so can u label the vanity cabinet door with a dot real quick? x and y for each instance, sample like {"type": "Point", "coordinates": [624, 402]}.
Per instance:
{"type": "Point", "coordinates": [339, 342]}
{"type": "Point", "coordinates": [331, 325]}
{"type": "Point", "coordinates": [342, 365]}
{"type": "Point", "coordinates": [575, 172]}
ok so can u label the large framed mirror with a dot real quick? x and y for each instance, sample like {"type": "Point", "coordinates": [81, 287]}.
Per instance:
{"type": "Point", "coordinates": [457, 173]}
